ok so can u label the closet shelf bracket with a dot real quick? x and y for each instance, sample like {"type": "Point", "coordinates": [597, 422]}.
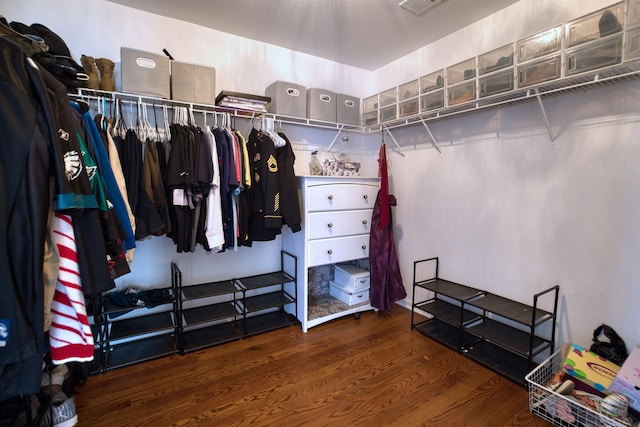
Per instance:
{"type": "Point", "coordinates": [544, 114]}
{"type": "Point", "coordinates": [395, 142]}
{"type": "Point", "coordinates": [433, 140]}
{"type": "Point", "coordinates": [335, 137]}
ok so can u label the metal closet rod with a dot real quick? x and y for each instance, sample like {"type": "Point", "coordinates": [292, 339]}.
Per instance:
{"type": "Point", "coordinates": [97, 95]}
{"type": "Point", "coordinates": [113, 96]}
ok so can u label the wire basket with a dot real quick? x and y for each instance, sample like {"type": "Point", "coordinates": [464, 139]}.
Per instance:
{"type": "Point", "coordinates": [558, 409]}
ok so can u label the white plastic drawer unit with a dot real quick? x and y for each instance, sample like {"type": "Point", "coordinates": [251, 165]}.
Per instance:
{"type": "Point", "coordinates": [331, 251]}
{"type": "Point", "coordinates": [432, 100]}
{"type": "Point", "coordinates": [595, 26]}
{"type": "Point", "coordinates": [633, 14]}
{"type": "Point", "coordinates": [496, 83]}
{"type": "Point", "coordinates": [602, 53]}
{"type": "Point", "coordinates": [496, 59]}
{"type": "Point", "coordinates": [432, 81]}
{"type": "Point", "coordinates": [322, 225]}
{"type": "Point", "coordinates": [544, 43]}
{"type": "Point", "coordinates": [632, 45]}
{"type": "Point", "coordinates": [535, 72]}
{"type": "Point", "coordinates": [326, 197]}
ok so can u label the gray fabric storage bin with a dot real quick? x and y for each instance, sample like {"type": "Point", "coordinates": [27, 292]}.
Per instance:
{"type": "Point", "coordinates": [347, 109]}
{"type": "Point", "coordinates": [321, 105]}
{"type": "Point", "coordinates": [288, 99]}
{"type": "Point", "coordinates": [193, 83]}
{"type": "Point", "coordinates": [145, 73]}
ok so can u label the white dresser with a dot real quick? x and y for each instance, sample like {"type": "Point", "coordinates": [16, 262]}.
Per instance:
{"type": "Point", "coordinates": [336, 216]}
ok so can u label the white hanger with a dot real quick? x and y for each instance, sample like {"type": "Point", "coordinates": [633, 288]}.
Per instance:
{"type": "Point", "coordinates": [269, 126]}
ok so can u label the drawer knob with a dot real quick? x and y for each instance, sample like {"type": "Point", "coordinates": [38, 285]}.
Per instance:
{"type": "Point", "coordinates": [330, 197]}
{"type": "Point", "coordinates": [364, 247]}
{"type": "Point", "coordinates": [365, 197]}
{"type": "Point", "coordinates": [364, 222]}
{"type": "Point", "coordinates": [330, 225]}
{"type": "Point", "coordinates": [329, 251]}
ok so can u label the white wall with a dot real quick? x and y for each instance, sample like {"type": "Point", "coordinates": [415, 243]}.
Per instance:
{"type": "Point", "coordinates": [510, 211]}
{"type": "Point", "coordinates": [518, 213]}
{"type": "Point", "coordinates": [505, 208]}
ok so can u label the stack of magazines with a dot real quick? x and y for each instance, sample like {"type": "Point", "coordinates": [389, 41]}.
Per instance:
{"type": "Point", "coordinates": [242, 101]}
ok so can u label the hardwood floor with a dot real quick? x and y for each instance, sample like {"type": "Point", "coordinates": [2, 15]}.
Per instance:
{"type": "Point", "coordinates": [373, 371]}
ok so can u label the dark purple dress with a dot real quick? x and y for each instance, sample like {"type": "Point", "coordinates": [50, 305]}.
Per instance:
{"type": "Point", "coordinates": [386, 280]}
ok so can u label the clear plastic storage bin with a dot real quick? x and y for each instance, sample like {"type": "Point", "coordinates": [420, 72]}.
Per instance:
{"type": "Point", "coordinates": [463, 71]}
{"type": "Point", "coordinates": [633, 14]}
{"type": "Point", "coordinates": [603, 53]}
{"type": "Point", "coordinates": [387, 97]}
{"type": "Point", "coordinates": [556, 408]}
{"type": "Point", "coordinates": [496, 83]}
{"type": "Point", "coordinates": [432, 101]}
{"type": "Point", "coordinates": [370, 103]}
{"type": "Point", "coordinates": [431, 82]}
{"type": "Point", "coordinates": [408, 108]}
{"type": "Point", "coordinates": [495, 60]}
{"type": "Point", "coordinates": [460, 93]}
{"type": "Point", "coordinates": [543, 43]}
{"type": "Point", "coordinates": [408, 90]}
{"type": "Point", "coordinates": [370, 118]}
{"type": "Point", "coordinates": [601, 23]}
{"type": "Point", "coordinates": [388, 113]}
{"type": "Point", "coordinates": [540, 71]}
{"type": "Point", "coordinates": [632, 45]}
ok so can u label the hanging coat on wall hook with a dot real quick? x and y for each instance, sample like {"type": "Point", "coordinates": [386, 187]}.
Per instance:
{"type": "Point", "coordinates": [386, 280]}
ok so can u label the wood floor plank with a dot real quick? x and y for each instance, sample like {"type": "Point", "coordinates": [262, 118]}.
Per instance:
{"type": "Point", "coordinates": [373, 371]}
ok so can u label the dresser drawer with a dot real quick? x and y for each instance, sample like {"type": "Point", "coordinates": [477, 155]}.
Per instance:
{"type": "Point", "coordinates": [330, 251]}
{"type": "Point", "coordinates": [341, 196]}
{"type": "Point", "coordinates": [322, 225]}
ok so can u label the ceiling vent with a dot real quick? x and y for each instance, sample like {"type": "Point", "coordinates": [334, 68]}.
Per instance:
{"type": "Point", "coordinates": [418, 7]}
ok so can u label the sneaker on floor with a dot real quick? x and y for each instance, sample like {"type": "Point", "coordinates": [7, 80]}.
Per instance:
{"type": "Point", "coordinates": [64, 415]}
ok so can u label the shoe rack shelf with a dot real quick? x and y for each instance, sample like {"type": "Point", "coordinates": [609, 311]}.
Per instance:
{"type": "Point", "coordinates": [500, 333]}
{"type": "Point", "coordinates": [196, 316]}
{"type": "Point", "coordinates": [255, 319]}
{"type": "Point", "coordinates": [217, 312]}
{"type": "Point", "coordinates": [128, 335]}
{"type": "Point", "coordinates": [219, 317]}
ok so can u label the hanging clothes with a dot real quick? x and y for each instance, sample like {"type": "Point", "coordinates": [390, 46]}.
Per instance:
{"type": "Point", "coordinates": [289, 200]}
{"type": "Point", "coordinates": [70, 335]}
{"type": "Point", "coordinates": [116, 166]}
{"type": "Point", "coordinates": [385, 277]}
{"type": "Point", "coordinates": [243, 200]}
{"type": "Point", "coordinates": [222, 148]}
{"type": "Point", "coordinates": [96, 162]}
{"type": "Point", "coordinates": [189, 176]}
{"type": "Point", "coordinates": [203, 170]}
{"type": "Point", "coordinates": [153, 187]}
{"type": "Point", "coordinates": [23, 217]}
{"type": "Point", "coordinates": [214, 233]}
{"type": "Point", "coordinates": [43, 166]}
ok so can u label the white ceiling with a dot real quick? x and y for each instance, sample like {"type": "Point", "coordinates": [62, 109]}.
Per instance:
{"type": "Point", "coordinates": [363, 33]}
